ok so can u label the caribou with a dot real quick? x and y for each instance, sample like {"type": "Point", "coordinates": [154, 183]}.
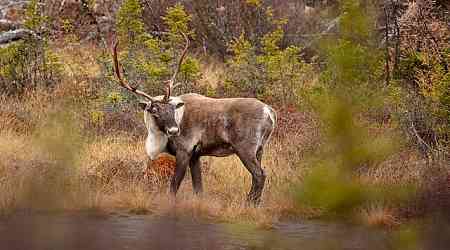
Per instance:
{"type": "Point", "coordinates": [190, 126]}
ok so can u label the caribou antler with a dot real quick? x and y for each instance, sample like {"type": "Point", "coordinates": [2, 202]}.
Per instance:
{"type": "Point", "coordinates": [170, 83]}
{"type": "Point", "coordinates": [122, 82]}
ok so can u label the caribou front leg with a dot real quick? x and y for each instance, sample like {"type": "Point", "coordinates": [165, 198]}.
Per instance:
{"type": "Point", "coordinates": [196, 174]}
{"type": "Point", "coordinates": [180, 171]}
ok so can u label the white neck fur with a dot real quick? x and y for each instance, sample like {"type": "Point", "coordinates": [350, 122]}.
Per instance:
{"type": "Point", "coordinates": [156, 140]}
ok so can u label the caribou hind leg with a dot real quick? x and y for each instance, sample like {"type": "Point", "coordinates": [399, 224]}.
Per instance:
{"type": "Point", "coordinates": [252, 161]}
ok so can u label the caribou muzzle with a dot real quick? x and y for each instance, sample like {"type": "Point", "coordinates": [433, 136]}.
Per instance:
{"type": "Point", "coordinates": [173, 131]}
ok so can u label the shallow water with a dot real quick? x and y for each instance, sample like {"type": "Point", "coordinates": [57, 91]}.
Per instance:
{"type": "Point", "coordinates": [145, 232]}
{"type": "Point", "coordinates": [89, 232]}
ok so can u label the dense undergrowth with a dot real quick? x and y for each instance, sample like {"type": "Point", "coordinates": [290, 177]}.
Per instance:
{"type": "Point", "coordinates": [359, 136]}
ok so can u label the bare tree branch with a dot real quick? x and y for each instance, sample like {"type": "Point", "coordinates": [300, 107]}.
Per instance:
{"type": "Point", "coordinates": [14, 35]}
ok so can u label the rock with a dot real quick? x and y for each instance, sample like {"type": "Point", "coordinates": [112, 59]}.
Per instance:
{"type": "Point", "coordinates": [6, 25]}
{"type": "Point", "coordinates": [12, 10]}
{"type": "Point", "coordinates": [14, 35]}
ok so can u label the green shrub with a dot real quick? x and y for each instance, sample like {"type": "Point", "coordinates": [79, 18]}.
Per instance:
{"type": "Point", "coordinates": [34, 20]}
{"type": "Point", "coordinates": [274, 74]}
{"type": "Point", "coordinates": [28, 63]}
{"type": "Point", "coordinates": [177, 20]}
{"type": "Point", "coordinates": [422, 76]}
{"type": "Point", "coordinates": [425, 104]}
{"type": "Point", "coordinates": [219, 25]}
{"type": "Point", "coordinates": [353, 61]}
{"type": "Point", "coordinates": [348, 88]}
{"type": "Point", "coordinates": [130, 27]}
{"type": "Point", "coordinates": [149, 59]}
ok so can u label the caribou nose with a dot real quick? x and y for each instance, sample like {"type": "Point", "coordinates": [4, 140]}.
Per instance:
{"type": "Point", "coordinates": [173, 131]}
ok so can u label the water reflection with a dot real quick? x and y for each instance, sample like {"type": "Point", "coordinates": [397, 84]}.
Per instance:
{"type": "Point", "coordinates": [89, 232]}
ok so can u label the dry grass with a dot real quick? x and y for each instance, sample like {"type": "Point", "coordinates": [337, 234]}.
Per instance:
{"type": "Point", "coordinates": [226, 183]}
{"type": "Point", "coordinates": [406, 166]}
{"type": "Point", "coordinates": [212, 72]}
{"type": "Point", "coordinates": [378, 215]}
{"type": "Point", "coordinates": [107, 175]}
{"type": "Point", "coordinates": [105, 171]}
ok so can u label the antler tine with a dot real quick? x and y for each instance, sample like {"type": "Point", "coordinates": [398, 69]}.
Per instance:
{"type": "Point", "coordinates": [122, 82]}
{"type": "Point", "coordinates": [171, 82]}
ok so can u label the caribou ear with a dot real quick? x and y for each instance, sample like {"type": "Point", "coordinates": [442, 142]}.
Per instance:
{"type": "Point", "coordinates": [179, 105]}
{"type": "Point", "coordinates": [143, 105]}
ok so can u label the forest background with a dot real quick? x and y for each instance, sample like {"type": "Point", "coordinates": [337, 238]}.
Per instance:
{"type": "Point", "coordinates": [361, 88]}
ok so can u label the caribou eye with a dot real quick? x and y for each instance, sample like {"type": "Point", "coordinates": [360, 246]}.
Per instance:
{"type": "Point", "coordinates": [179, 105]}
{"type": "Point", "coordinates": [154, 110]}
{"type": "Point", "coordinates": [143, 105]}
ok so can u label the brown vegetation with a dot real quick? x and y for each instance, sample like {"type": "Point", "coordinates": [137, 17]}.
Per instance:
{"type": "Point", "coordinates": [111, 172]}
{"type": "Point", "coordinates": [162, 167]}
{"type": "Point", "coordinates": [108, 169]}
{"type": "Point", "coordinates": [78, 143]}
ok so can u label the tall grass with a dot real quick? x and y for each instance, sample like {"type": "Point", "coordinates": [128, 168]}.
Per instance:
{"type": "Point", "coordinates": [52, 158]}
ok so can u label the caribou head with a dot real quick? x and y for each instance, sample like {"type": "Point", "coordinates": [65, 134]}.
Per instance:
{"type": "Point", "coordinates": [166, 112]}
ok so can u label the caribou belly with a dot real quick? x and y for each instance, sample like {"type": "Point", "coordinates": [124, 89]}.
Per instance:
{"type": "Point", "coordinates": [220, 150]}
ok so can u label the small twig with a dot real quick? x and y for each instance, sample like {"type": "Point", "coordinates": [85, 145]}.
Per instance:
{"type": "Point", "coordinates": [387, 46]}
{"type": "Point", "coordinates": [419, 139]}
